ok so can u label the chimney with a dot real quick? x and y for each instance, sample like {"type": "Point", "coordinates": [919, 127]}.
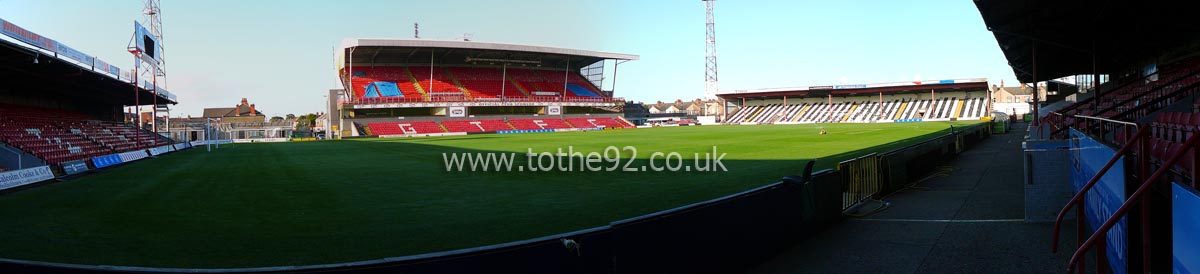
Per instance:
{"type": "Point", "coordinates": [243, 101]}
{"type": "Point", "coordinates": [237, 110]}
{"type": "Point", "coordinates": [252, 113]}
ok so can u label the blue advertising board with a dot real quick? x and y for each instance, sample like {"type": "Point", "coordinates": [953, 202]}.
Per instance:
{"type": "Point", "coordinates": [1185, 229]}
{"type": "Point", "coordinates": [105, 67]}
{"type": "Point", "coordinates": [522, 131]}
{"type": "Point", "coordinates": [114, 70]}
{"type": "Point", "coordinates": [1087, 157]}
{"type": "Point", "coordinates": [106, 160]}
{"type": "Point", "coordinates": [65, 51]}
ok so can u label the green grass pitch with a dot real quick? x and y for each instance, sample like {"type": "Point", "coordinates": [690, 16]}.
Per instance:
{"type": "Point", "coordinates": [251, 205]}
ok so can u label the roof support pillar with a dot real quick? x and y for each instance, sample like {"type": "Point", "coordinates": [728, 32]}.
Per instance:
{"type": "Point", "coordinates": [503, 78]}
{"type": "Point", "coordinates": [616, 64]}
{"type": "Point", "coordinates": [430, 91]}
{"type": "Point", "coordinates": [1036, 116]}
{"type": "Point", "coordinates": [349, 77]}
{"type": "Point", "coordinates": [1095, 81]}
{"type": "Point", "coordinates": [566, 70]}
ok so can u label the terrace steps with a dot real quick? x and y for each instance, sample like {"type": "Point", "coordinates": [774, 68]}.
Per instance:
{"type": "Point", "coordinates": [458, 84]}
{"type": "Point", "coordinates": [900, 112]}
{"type": "Point", "coordinates": [802, 111]}
{"type": "Point", "coordinates": [958, 108]}
{"type": "Point", "coordinates": [853, 106]}
{"type": "Point", "coordinates": [413, 79]}
{"type": "Point", "coordinates": [755, 114]}
{"type": "Point", "coordinates": [518, 84]}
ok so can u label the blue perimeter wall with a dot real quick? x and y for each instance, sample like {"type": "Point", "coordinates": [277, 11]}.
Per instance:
{"type": "Point", "coordinates": [1087, 157]}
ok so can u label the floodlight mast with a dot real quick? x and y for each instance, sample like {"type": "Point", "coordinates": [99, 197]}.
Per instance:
{"type": "Point", "coordinates": [152, 16]}
{"type": "Point", "coordinates": [710, 60]}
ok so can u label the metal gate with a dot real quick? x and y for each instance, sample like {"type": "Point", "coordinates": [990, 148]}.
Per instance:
{"type": "Point", "coordinates": [861, 179]}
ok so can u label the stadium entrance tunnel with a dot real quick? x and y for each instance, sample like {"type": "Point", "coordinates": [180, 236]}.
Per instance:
{"type": "Point", "coordinates": [730, 233]}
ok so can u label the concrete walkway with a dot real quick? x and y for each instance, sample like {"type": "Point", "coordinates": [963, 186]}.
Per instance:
{"type": "Point", "coordinates": [968, 219]}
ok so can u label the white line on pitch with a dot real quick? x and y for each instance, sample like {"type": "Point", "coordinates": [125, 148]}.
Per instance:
{"type": "Point", "coordinates": [945, 220]}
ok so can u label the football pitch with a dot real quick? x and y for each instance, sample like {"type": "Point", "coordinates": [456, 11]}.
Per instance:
{"type": "Point", "coordinates": [250, 205]}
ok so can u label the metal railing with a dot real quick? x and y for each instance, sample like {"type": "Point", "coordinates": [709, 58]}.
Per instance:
{"type": "Point", "coordinates": [860, 179]}
{"type": "Point", "coordinates": [1104, 128]}
{"type": "Point", "coordinates": [1135, 198]}
{"type": "Point", "coordinates": [1137, 140]}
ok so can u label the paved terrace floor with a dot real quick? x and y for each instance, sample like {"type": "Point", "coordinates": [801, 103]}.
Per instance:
{"type": "Point", "coordinates": [967, 220]}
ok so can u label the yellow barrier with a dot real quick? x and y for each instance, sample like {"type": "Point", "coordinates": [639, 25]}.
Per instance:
{"type": "Point", "coordinates": [860, 179]}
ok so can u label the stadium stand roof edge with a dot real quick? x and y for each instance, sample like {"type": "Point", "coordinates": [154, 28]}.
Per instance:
{"type": "Point", "coordinates": [1123, 34]}
{"type": "Point", "coordinates": [61, 76]}
{"type": "Point", "coordinates": [434, 43]}
{"type": "Point", "coordinates": [890, 87]}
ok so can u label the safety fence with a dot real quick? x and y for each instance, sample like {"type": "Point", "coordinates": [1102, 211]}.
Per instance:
{"type": "Point", "coordinates": [860, 179]}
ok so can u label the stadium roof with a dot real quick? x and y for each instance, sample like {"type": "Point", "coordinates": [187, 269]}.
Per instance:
{"type": "Point", "coordinates": [34, 62]}
{"type": "Point", "coordinates": [419, 51]}
{"type": "Point", "coordinates": [1122, 34]}
{"type": "Point", "coordinates": [863, 89]}
{"type": "Point", "coordinates": [66, 79]}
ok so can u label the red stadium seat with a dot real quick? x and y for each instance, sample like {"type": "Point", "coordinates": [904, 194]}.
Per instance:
{"type": "Point", "coordinates": [1137, 91]}
{"type": "Point", "coordinates": [486, 83]}
{"type": "Point", "coordinates": [448, 84]}
{"type": "Point", "coordinates": [58, 136]}
{"type": "Point", "coordinates": [1158, 149]}
{"type": "Point", "coordinates": [596, 122]}
{"type": "Point", "coordinates": [539, 123]}
{"type": "Point", "coordinates": [404, 128]}
{"type": "Point", "coordinates": [476, 125]}
{"type": "Point", "coordinates": [364, 76]}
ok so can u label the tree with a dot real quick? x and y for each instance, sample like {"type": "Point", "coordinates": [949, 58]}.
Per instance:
{"type": "Point", "coordinates": [291, 116]}
{"type": "Point", "coordinates": [276, 119]}
{"type": "Point", "coordinates": [305, 122]}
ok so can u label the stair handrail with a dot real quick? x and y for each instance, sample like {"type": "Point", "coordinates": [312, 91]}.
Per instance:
{"type": "Point", "coordinates": [1133, 198]}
